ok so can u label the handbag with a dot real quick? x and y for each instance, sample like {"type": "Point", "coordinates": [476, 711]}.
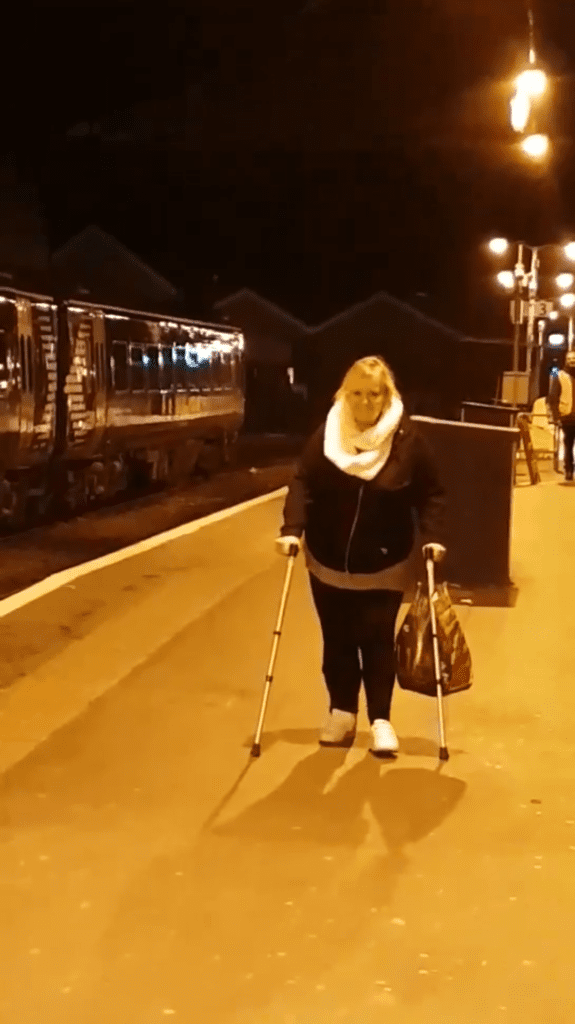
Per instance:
{"type": "Point", "coordinates": [414, 646]}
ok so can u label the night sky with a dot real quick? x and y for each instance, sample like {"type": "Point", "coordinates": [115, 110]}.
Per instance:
{"type": "Point", "coordinates": [323, 150]}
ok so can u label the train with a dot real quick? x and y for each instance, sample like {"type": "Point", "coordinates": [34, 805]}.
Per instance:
{"type": "Point", "coordinates": [94, 398]}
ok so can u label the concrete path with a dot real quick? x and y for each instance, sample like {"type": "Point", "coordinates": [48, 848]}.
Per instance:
{"type": "Point", "coordinates": [151, 871]}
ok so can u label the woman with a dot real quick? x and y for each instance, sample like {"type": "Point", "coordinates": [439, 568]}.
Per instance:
{"type": "Point", "coordinates": [362, 476]}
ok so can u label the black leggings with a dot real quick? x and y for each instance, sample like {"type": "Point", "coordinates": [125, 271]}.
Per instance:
{"type": "Point", "coordinates": [355, 622]}
{"type": "Point", "coordinates": [568, 442]}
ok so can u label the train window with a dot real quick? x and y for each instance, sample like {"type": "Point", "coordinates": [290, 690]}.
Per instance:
{"type": "Point", "coordinates": [4, 367]}
{"type": "Point", "coordinates": [233, 371]}
{"type": "Point", "coordinates": [218, 370]}
{"type": "Point", "coordinates": [181, 370]}
{"type": "Point", "coordinates": [166, 369]}
{"type": "Point", "coordinates": [226, 359]}
{"type": "Point", "coordinates": [204, 376]}
{"type": "Point", "coordinates": [193, 368]}
{"type": "Point", "coordinates": [120, 364]}
{"type": "Point", "coordinates": [151, 362]}
{"type": "Point", "coordinates": [137, 376]}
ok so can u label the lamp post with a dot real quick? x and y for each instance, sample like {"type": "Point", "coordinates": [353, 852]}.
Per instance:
{"type": "Point", "coordinates": [530, 87]}
{"type": "Point", "coordinates": [520, 280]}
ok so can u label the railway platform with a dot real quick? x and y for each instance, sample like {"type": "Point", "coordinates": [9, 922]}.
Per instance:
{"type": "Point", "coordinates": [151, 870]}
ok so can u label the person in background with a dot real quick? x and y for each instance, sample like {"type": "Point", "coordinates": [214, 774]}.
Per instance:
{"type": "Point", "coordinates": [362, 476]}
{"type": "Point", "coordinates": [561, 402]}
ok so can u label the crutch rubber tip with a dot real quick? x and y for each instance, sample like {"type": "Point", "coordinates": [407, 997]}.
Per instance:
{"type": "Point", "coordinates": [256, 750]}
{"type": "Point", "coordinates": [443, 754]}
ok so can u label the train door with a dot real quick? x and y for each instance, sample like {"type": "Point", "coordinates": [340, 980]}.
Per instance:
{"type": "Point", "coordinates": [27, 374]}
{"type": "Point", "coordinates": [44, 376]}
{"type": "Point", "coordinates": [9, 389]}
{"type": "Point", "coordinates": [85, 380]}
{"type": "Point", "coordinates": [100, 364]}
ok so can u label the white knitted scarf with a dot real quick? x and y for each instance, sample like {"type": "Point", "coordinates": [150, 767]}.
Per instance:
{"type": "Point", "coordinates": [360, 453]}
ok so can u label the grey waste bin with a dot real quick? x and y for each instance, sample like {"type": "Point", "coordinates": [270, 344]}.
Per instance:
{"type": "Point", "coordinates": [476, 464]}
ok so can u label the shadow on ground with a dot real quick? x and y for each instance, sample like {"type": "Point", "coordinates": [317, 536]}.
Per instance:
{"type": "Point", "coordinates": [414, 746]}
{"type": "Point", "coordinates": [274, 895]}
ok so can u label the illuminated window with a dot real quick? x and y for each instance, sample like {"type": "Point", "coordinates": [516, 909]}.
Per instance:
{"type": "Point", "coordinates": [4, 364]}
{"type": "Point", "coordinates": [166, 369]}
{"type": "Point", "coordinates": [137, 369]}
{"type": "Point", "coordinates": [180, 368]}
{"type": "Point", "coordinates": [152, 363]}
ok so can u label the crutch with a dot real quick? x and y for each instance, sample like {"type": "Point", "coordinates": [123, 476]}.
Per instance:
{"type": "Point", "coordinates": [443, 751]}
{"type": "Point", "coordinates": [256, 748]}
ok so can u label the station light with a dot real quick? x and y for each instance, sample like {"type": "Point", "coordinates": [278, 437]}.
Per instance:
{"type": "Point", "coordinates": [506, 279]}
{"type": "Point", "coordinates": [569, 250]}
{"type": "Point", "coordinates": [520, 110]}
{"type": "Point", "coordinates": [499, 246]}
{"type": "Point", "coordinates": [532, 83]}
{"type": "Point", "coordinates": [564, 280]}
{"type": "Point", "coordinates": [556, 340]}
{"type": "Point", "coordinates": [567, 300]}
{"type": "Point", "coordinates": [535, 146]}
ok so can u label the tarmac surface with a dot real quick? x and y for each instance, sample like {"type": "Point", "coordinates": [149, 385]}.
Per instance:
{"type": "Point", "coordinates": [151, 870]}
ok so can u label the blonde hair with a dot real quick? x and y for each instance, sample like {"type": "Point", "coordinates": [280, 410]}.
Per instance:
{"type": "Point", "coordinates": [370, 366]}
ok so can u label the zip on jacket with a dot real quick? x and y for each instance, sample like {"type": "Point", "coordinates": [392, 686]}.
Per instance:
{"type": "Point", "coordinates": [354, 524]}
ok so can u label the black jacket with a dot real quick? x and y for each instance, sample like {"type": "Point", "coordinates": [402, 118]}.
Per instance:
{"type": "Point", "coordinates": [353, 525]}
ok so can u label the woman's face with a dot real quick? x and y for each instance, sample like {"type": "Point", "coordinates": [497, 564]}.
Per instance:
{"type": "Point", "coordinates": [366, 398]}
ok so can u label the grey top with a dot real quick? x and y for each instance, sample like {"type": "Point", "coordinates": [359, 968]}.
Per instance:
{"type": "Point", "coordinates": [396, 577]}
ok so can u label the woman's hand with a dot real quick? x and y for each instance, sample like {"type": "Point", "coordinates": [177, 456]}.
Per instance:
{"type": "Point", "coordinates": [434, 551]}
{"type": "Point", "coordinates": [284, 544]}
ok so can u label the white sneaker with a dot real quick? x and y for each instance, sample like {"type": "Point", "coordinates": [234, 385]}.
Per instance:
{"type": "Point", "coordinates": [338, 729]}
{"type": "Point", "coordinates": [384, 740]}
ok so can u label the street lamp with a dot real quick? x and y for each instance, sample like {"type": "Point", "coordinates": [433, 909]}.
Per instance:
{"type": "Point", "coordinates": [499, 246]}
{"type": "Point", "coordinates": [535, 146]}
{"type": "Point", "coordinates": [530, 85]}
{"type": "Point", "coordinates": [506, 279]}
{"type": "Point", "coordinates": [520, 280]}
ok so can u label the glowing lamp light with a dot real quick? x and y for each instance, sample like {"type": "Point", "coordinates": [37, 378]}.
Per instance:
{"type": "Point", "coordinates": [520, 106]}
{"type": "Point", "coordinates": [499, 246]}
{"type": "Point", "coordinates": [506, 279]}
{"type": "Point", "coordinates": [564, 280]}
{"type": "Point", "coordinates": [569, 250]}
{"type": "Point", "coordinates": [532, 83]}
{"type": "Point", "coordinates": [556, 340]}
{"type": "Point", "coordinates": [535, 146]}
{"type": "Point", "coordinates": [567, 300]}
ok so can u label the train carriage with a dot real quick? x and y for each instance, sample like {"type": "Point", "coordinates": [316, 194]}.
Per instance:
{"type": "Point", "coordinates": [92, 396]}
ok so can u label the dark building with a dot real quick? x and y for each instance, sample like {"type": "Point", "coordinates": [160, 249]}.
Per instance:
{"type": "Point", "coordinates": [436, 367]}
{"type": "Point", "coordinates": [276, 361]}
{"type": "Point", "coordinates": [96, 266]}
{"type": "Point", "coordinates": [422, 353]}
